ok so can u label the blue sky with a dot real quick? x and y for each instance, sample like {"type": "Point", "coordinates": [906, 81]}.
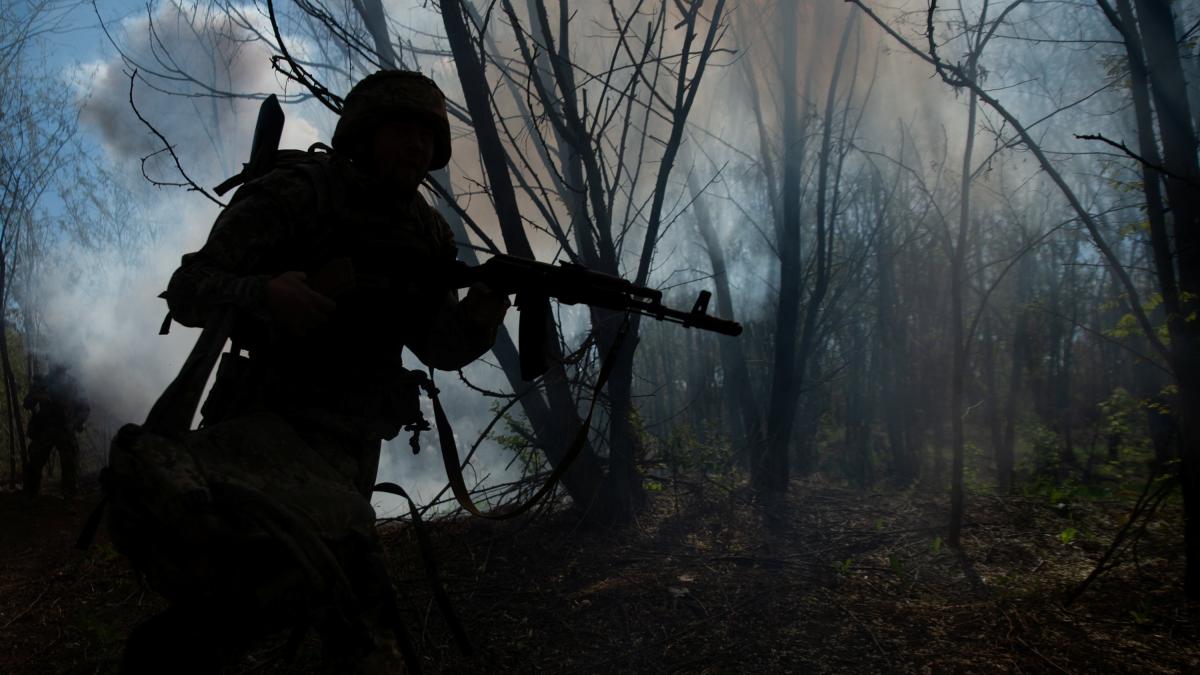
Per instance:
{"type": "Point", "coordinates": [81, 40]}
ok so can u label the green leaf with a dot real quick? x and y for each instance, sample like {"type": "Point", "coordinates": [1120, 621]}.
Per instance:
{"type": "Point", "coordinates": [1068, 535]}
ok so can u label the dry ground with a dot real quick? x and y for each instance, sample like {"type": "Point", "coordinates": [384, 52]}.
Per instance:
{"type": "Point", "coordinates": [707, 581]}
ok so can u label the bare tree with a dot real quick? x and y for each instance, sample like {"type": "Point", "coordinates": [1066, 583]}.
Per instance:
{"type": "Point", "coordinates": [1148, 30]}
{"type": "Point", "coordinates": [38, 121]}
{"type": "Point", "coordinates": [601, 162]}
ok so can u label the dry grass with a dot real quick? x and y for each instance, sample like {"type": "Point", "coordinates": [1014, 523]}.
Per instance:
{"type": "Point", "coordinates": [707, 580]}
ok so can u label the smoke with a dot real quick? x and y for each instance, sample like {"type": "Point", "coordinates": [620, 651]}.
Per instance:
{"type": "Point", "coordinates": [202, 93]}
{"type": "Point", "coordinates": [99, 304]}
{"type": "Point", "coordinates": [104, 319]}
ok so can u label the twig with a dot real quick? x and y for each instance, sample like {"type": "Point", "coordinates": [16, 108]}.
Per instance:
{"type": "Point", "coordinates": [1143, 508]}
{"type": "Point", "coordinates": [867, 629]}
{"type": "Point", "coordinates": [1133, 155]}
{"type": "Point", "coordinates": [1042, 656]}
{"type": "Point", "coordinates": [437, 187]}
{"type": "Point", "coordinates": [27, 609]}
{"type": "Point", "coordinates": [298, 73]}
{"type": "Point", "coordinates": [190, 184]}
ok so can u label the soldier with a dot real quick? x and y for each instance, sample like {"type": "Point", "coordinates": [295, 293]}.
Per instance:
{"type": "Point", "coordinates": [329, 263]}
{"type": "Point", "coordinates": [57, 414]}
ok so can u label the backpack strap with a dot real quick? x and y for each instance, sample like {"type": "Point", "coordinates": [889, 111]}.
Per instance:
{"type": "Point", "coordinates": [313, 163]}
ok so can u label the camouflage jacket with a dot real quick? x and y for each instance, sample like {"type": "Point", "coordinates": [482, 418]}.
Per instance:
{"type": "Point", "coordinates": [303, 217]}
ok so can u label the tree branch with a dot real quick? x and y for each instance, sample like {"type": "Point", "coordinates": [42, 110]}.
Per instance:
{"type": "Point", "coordinates": [190, 184]}
{"type": "Point", "coordinates": [1133, 155]}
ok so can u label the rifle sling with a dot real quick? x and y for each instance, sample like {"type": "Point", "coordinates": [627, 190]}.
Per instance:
{"type": "Point", "coordinates": [172, 413]}
{"type": "Point", "coordinates": [450, 449]}
{"type": "Point", "coordinates": [431, 568]}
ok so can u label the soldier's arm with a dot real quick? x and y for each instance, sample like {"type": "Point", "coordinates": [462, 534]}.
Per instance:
{"type": "Point", "coordinates": [228, 270]}
{"type": "Point", "coordinates": [460, 331]}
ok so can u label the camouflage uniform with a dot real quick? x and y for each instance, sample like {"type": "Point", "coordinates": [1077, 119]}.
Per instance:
{"type": "Point", "coordinates": [346, 378]}
{"type": "Point", "coordinates": [58, 413]}
{"type": "Point", "coordinates": [285, 460]}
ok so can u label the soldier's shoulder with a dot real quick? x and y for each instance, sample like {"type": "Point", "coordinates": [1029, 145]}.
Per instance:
{"type": "Point", "coordinates": [298, 179]}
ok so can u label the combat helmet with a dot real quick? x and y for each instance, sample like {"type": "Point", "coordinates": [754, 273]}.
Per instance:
{"type": "Point", "coordinates": [390, 93]}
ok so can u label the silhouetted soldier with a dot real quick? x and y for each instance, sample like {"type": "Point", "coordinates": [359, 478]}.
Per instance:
{"type": "Point", "coordinates": [325, 261]}
{"type": "Point", "coordinates": [58, 412]}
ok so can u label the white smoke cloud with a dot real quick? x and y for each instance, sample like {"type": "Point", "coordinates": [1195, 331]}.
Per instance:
{"type": "Point", "coordinates": [102, 318]}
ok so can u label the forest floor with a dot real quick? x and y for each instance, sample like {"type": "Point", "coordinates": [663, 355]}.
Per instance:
{"type": "Point", "coordinates": [834, 580]}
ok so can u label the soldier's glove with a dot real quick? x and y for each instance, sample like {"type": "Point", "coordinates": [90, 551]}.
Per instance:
{"type": "Point", "coordinates": [483, 306]}
{"type": "Point", "coordinates": [294, 305]}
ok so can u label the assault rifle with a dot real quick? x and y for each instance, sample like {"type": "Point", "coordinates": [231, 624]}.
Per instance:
{"type": "Point", "coordinates": [535, 282]}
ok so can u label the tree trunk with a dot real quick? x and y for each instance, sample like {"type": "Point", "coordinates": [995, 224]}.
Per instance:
{"type": "Point", "coordinates": [563, 418]}
{"type": "Point", "coordinates": [991, 402]}
{"type": "Point", "coordinates": [1148, 378]}
{"type": "Point", "coordinates": [553, 425]}
{"type": "Point", "coordinates": [857, 422]}
{"type": "Point", "coordinates": [810, 342]}
{"type": "Point", "coordinates": [789, 377]}
{"type": "Point", "coordinates": [1006, 453]}
{"type": "Point", "coordinates": [1179, 143]}
{"type": "Point", "coordinates": [16, 430]}
{"type": "Point", "coordinates": [739, 395]}
{"type": "Point", "coordinates": [892, 382]}
{"type": "Point", "coordinates": [770, 467]}
{"type": "Point", "coordinates": [957, 332]}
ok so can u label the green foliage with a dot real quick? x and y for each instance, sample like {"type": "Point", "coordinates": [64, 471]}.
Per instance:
{"type": "Point", "coordinates": [1117, 448]}
{"type": "Point", "coordinates": [936, 547]}
{"type": "Point", "coordinates": [843, 567]}
{"type": "Point", "coordinates": [104, 551]}
{"type": "Point", "coordinates": [516, 441]}
{"type": "Point", "coordinates": [1057, 491]}
{"type": "Point", "coordinates": [684, 453]}
{"type": "Point", "coordinates": [1119, 410]}
{"type": "Point", "coordinates": [1138, 228]}
{"type": "Point", "coordinates": [1126, 326]}
{"type": "Point", "coordinates": [1167, 393]}
{"type": "Point", "coordinates": [1067, 536]}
